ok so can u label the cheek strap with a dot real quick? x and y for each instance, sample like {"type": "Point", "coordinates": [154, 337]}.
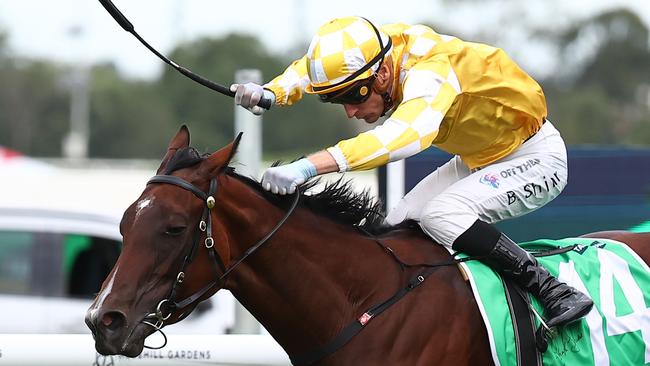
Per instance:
{"type": "Point", "coordinates": [385, 96]}
{"type": "Point", "coordinates": [388, 102]}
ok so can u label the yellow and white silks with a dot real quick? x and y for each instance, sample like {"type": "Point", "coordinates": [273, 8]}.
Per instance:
{"type": "Point", "coordinates": [465, 98]}
{"type": "Point", "coordinates": [470, 100]}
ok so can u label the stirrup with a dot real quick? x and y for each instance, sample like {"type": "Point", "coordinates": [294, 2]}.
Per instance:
{"type": "Point", "coordinates": [542, 336]}
{"type": "Point", "coordinates": [543, 332]}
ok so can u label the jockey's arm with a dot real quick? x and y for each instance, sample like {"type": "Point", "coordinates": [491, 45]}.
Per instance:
{"type": "Point", "coordinates": [289, 86]}
{"type": "Point", "coordinates": [324, 162]}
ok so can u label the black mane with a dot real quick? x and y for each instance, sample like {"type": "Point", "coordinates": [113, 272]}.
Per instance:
{"type": "Point", "coordinates": [337, 201]}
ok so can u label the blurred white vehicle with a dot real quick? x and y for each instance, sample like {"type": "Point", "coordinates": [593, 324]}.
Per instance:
{"type": "Point", "coordinates": [52, 262]}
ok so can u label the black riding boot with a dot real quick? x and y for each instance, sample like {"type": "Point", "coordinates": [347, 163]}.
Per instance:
{"type": "Point", "coordinates": [563, 303]}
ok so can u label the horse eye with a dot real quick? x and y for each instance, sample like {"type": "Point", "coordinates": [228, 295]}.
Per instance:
{"type": "Point", "coordinates": [175, 230]}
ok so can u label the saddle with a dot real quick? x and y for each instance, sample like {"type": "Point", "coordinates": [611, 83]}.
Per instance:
{"type": "Point", "coordinates": [529, 342]}
{"type": "Point", "coordinates": [613, 332]}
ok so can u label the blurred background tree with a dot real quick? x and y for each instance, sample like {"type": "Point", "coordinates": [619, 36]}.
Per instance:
{"type": "Point", "coordinates": [128, 117]}
{"type": "Point", "coordinates": [599, 94]}
{"type": "Point", "coordinates": [33, 107]}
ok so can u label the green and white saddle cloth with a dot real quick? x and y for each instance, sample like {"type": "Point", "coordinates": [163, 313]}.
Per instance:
{"type": "Point", "coordinates": [615, 332]}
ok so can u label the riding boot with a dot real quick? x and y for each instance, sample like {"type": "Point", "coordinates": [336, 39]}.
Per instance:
{"type": "Point", "coordinates": [563, 303]}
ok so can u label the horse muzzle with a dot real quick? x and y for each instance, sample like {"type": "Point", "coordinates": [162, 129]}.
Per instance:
{"type": "Point", "coordinates": [113, 335]}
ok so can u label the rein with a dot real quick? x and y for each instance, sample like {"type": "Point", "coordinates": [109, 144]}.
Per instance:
{"type": "Point", "coordinates": [157, 319]}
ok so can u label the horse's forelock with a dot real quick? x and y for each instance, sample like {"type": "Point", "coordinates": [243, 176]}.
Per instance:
{"type": "Point", "coordinates": [183, 158]}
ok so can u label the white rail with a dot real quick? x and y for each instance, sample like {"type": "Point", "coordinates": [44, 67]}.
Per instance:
{"type": "Point", "coordinates": [79, 349]}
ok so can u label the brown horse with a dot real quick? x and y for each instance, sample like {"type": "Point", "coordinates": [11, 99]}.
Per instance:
{"type": "Point", "coordinates": [316, 274]}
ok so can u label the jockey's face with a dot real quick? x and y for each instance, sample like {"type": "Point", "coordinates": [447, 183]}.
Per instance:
{"type": "Point", "coordinates": [373, 107]}
{"type": "Point", "coordinates": [369, 111]}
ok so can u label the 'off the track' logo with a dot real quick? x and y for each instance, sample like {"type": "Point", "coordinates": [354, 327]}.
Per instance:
{"type": "Point", "coordinates": [490, 180]}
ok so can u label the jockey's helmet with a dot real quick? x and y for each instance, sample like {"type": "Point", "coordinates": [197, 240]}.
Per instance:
{"type": "Point", "coordinates": [343, 57]}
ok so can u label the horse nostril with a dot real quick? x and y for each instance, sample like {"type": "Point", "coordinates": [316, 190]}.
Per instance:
{"type": "Point", "coordinates": [113, 320]}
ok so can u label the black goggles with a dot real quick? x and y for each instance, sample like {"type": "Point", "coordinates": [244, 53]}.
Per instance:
{"type": "Point", "coordinates": [356, 93]}
{"type": "Point", "coordinates": [359, 91]}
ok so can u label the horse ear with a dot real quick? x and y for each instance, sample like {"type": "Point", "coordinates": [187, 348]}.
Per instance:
{"type": "Point", "coordinates": [221, 158]}
{"type": "Point", "coordinates": [180, 140]}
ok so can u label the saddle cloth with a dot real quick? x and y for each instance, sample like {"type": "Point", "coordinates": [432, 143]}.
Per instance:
{"type": "Point", "coordinates": [615, 332]}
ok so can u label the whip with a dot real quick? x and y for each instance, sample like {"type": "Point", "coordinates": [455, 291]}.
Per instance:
{"type": "Point", "coordinates": [127, 26]}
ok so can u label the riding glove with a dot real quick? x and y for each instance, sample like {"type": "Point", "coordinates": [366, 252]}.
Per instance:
{"type": "Point", "coordinates": [285, 179]}
{"type": "Point", "coordinates": [249, 94]}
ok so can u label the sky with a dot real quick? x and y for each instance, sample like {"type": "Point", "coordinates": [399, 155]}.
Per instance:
{"type": "Point", "coordinates": [81, 31]}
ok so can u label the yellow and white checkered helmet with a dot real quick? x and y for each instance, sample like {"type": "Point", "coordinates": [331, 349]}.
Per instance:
{"type": "Point", "coordinates": [343, 51]}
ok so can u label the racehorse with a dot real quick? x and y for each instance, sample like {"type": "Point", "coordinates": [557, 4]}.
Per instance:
{"type": "Point", "coordinates": [307, 267]}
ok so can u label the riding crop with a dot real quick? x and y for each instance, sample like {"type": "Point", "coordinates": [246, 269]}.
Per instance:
{"type": "Point", "coordinates": [127, 26]}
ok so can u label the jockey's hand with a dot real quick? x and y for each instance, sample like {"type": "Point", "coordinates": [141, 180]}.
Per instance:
{"type": "Point", "coordinates": [249, 94]}
{"type": "Point", "coordinates": [284, 179]}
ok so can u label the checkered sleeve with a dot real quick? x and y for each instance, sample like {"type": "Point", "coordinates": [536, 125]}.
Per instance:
{"type": "Point", "coordinates": [290, 85]}
{"type": "Point", "coordinates": [429, 90]}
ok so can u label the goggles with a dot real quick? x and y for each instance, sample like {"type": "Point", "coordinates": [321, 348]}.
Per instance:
{"type": "Point", "coordinates": [356, 93]}
{"type": "Point", "coordinates": [359, 91]}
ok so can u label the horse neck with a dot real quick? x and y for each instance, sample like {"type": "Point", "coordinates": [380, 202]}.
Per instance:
{"type": "Point", "coordinates": [305, 283]}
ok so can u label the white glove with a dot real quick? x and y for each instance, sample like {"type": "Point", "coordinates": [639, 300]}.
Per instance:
{"type": "Point", "coordinates": [285, 179]}
{"type": "Point", "coordinates": [249, 94]}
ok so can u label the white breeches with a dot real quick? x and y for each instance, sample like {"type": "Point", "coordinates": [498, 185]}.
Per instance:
{"type": "Point", "coordinates": [449, 200]}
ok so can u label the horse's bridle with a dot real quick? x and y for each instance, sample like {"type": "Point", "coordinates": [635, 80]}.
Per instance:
{"type": "Point", "coordinates": [169, 305]}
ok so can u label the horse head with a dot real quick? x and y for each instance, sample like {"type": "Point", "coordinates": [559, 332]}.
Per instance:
{"type": "Point", "coordinates": [162, 273]}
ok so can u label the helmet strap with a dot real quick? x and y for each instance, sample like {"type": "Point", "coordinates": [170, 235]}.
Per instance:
{"type": "Point", "coordinates": [385, 94]}
{"type": "Point", "coordinates": [388, 102]}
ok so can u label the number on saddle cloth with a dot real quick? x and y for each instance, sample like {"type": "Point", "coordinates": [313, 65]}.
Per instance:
{"type": "Point", "coordinates": [616, 331]}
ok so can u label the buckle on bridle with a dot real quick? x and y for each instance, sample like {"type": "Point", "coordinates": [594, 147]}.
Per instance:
{"type": "Point", "coordinates": [210, 202]}
{"type": "Point", "coordinates": [209, 242]}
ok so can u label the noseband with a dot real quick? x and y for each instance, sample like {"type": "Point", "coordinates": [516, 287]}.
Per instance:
{"type": "Point", "coordinates": [169, 305]}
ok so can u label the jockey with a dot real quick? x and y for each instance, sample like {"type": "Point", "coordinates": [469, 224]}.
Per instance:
{"type": "Point", "coordinates": [468, 99]}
